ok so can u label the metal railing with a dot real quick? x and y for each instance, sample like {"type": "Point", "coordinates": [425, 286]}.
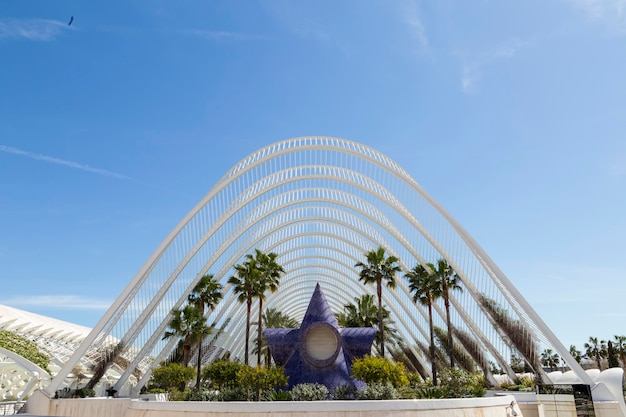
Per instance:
{"type": "Point", "coordinates": [9, 408]}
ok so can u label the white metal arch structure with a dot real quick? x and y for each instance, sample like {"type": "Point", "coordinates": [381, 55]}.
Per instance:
{"type": "Point", "coordinates": [320, 203]}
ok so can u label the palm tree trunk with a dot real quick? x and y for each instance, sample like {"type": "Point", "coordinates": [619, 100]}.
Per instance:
{"type": "Point", "coordinates": [186, 351]}
{"type": "Point", "coordinates": [450, 342]}
{"type": "Point", "coordinates": [259, 327]}
{"type": "Point", "coordinates": [432, 343]}
{"type": "Point", "coordinates": [249, 307]}
{"type": "Point", "coordinates": [381, 328]}
{"type": "Point", "coordinates": [199, 364]}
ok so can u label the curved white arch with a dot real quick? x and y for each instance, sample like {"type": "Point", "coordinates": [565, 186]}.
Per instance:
{"type": "Point", "coordinates": [305, 197]}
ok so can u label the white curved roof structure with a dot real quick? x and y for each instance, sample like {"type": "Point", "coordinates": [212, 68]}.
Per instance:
{"type": "Point", "coordinates": [56, 338]}
{"type": "Point", "coordinates": [320, 203]}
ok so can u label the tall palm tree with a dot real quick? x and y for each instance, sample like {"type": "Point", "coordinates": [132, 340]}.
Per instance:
{"type": "Point", "coordinates": [379, 267]}
{"type": "Point", "coordinates": [448, 281]}
{"type": "Point", "coordinates": [426, 289]}
{"type": "Point", "coordinates": [244, 285]}
{"type": "Point", "coordinates": [189, 325]}
{"type": "Point", "coordinates": [596, 349]}
{"type": "Point", "coordinates": [206, 294]}
{"type": "Point", "coordinates": [268, 280]}
{"type": "Point", "coordinates": [364, 313]}
{"type": "Point", "coordinates": [576, 354]}
{"type": "Point", "coordinates": [550, 359]}
{"type": "Point", "coordinates": [621, 348]}
{"type": "Point", "coordinates": [273, 319]}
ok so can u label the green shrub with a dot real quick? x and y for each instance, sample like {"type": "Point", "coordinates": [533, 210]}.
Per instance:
{"type": "Point", "coordinates": [25, 348]}
{"type": "Point", "coordinates": [430, 393]}
{"type": "Point", "coordinates": [256, 380]}
{"type": "Point", "coordinates": [309, 392]}
{"type": "Point", "coordinates": [344, 392]}
{"type": "Point", "coordinates": [379, 370]}
{"type": "Point", "coordinates": [378, 391]}
{"type": "Point", "coordinates": [221, 373]}
{"type": "Point", "coordinates": [277, 395]}
{"type": "Point", "coordinates": [154, 390]}
{"type": "Point", "coordinates": [232, 394]}
{"type": "Point", "coordinates": [85, 392]}
{"type": "Point", "coordinates": [408, 392]}
{"type": "Point", "coordinates": [172, 376]}
{"type": "Point", "coordinates": [415, 380]}
{"type": "Point", "coordinates": [458, 383]}
{"type": "Point", "coordinates": [201, 395]}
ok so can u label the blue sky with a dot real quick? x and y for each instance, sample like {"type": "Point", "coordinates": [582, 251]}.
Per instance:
{"type": "Point", "coordinates": [511, 114]}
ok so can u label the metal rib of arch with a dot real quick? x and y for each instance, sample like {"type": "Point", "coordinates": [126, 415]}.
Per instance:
{"type": "Point", "coordinates": [321, 203]}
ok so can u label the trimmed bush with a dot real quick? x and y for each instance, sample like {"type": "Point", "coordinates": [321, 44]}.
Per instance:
{"type": "Point", "coordinates": [277, 395]}
{"type": "Point", "coordinates": [221, 373]}
{"type": "Point", "coordinates": [232, 394]}
{"type": "Point", "coordinates": [378, 391]}
{"type": "Point", "coordinates": [379, 370]}
{"type": "Point", "coordinates": [256, 380]}
{"type": "Point", "coordinates": [309, 392]}
{"type": "Point", "coordinates": [344, 392]}
{"type": "Point", "coordinates": [457, 383]}
{"type": "Point", "coordinates": [172, 376]}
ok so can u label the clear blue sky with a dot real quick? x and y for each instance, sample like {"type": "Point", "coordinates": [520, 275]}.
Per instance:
{"type": "Point", "coordinates": [511, 114]}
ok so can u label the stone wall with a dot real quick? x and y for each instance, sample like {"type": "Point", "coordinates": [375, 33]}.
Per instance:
{"type": "Point", "coordinates": [119, 407]}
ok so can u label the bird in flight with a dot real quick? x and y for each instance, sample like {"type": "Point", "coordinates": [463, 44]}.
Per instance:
{"type": "Point", "coordinates": [71, 20]}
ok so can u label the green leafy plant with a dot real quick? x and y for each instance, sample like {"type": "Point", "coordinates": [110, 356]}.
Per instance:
{"type": "Point", "coordinates": [278, 395]}
{"type": "Point", "coordinates": [233, 393]}
{"type": "Point", "coordinates": [201, 395]}
{"type": "Point", "coordinates": [309, 392]}
{"type": "Point", "coordinates": [379, 370]}
{"type": "Point", "coordinates": [25, 348]}
{"type": "Point", "coordinates": [85, 392]}
{"type": "Point", "coordinates": [430, 393]}
{"type": "Point", "coordinates": [255, 380]}
{"type": "Point", "coordinates": [221, 373]}
{"type": "Point", "coordinates": [344, 392]}
{"type": "Point", "coordinates": [457, 383]}
{"type": "Point", "coordinates": [378, 391]}
{"type": "Point", "coordinates": [172, 375]}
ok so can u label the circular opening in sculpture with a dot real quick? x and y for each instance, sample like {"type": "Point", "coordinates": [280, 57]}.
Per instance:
{"type": "Point", "coordinates": [321, 343]}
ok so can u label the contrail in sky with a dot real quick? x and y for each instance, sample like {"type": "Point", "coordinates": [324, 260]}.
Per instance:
{"type": "Point", "coordinates": [58, 161]}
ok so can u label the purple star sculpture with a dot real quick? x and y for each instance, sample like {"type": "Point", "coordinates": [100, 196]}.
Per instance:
{"type": "Point", "coordinates": [319, 351]}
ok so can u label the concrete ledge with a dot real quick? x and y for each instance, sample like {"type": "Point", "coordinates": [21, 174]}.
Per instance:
{"type": "Point", "coordinates": [113, 407]}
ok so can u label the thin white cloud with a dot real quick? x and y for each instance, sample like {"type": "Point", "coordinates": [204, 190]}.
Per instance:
{"type": "Point", "coordinates": [611, 13]}
{"type": "Point", "coordinates": [225, 36]}
{"type": "Point", "coordinates": [413, 19]}
{"type": "Point", "coordinates": [71, 164]}
{"type": "Point", "coordinates": [472, 65]}
{"type": "Point", "coordinates": [297, 19]}
{"type": "Point", "coordinates": [60, 302]}
{"type": "Point", "coordinates": [32, 29]}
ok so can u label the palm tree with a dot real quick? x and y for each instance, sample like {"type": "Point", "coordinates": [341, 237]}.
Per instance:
{"type": "Point", "coordinates": [596, 349]}
{"type": "Point", "coordinates": [448, 281]}
{"type": "Point", "coordinates": [576, 354]}
{"type": "Point", "coordinates": [364, 313]}
{"type": "Point", "coordinates": [550, 359]}
{"type": "Point", "coordinates": [426, 289]}
{"type": "Point", "coordinates": [207, 293]}
{"type": "Point", "coordinates": [378, 268]}
{"type": "Point", "coordinates": [244, 285]}
{"type": "Point", "coordinates": [273, 319]}
{"type": "Point", "coordinates": [269, 278]}
{"type": "Point", "coordinates": [621, 348]}
{"type": "Point", "coordinates": [189, 325]}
